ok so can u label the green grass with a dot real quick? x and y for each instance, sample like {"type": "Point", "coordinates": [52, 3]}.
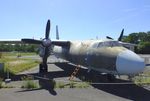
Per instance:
{"type": "Point", "coordinates": [18, 53]}
{"type": "Point", "coordinates": [141, 80]}
{"type": "Point", "coordinates": [83, 85]}
{"type": "Point", "coordinates": [72, 84]}
{"type": "Point", "coordinates": [60, 85]}
{"type": "Point", "coordinates": [16, 65]}
{"type": "Point", "coordinates": [1, 83]}
{"type": "Point", "coordinates": [22, 67]}
{"type": "Point", "coordinates": [29, 83]}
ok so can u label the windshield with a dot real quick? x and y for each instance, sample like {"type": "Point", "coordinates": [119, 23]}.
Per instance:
{"type": "Point", "coordinates": [106, 44]}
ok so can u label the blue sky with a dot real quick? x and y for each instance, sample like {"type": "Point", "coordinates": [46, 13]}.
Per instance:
{"type": "Point", "coordinates": [77, 19]}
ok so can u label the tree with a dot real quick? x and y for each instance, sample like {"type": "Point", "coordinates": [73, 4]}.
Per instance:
{"type": "Point", "coordinates": [144, 47]}
{"type": "Point", "coordinates": [142, 39]}
{"type": "Point", "coordinates": [18, 47]}
{"type": "Point", "coordinates": [132, 38]}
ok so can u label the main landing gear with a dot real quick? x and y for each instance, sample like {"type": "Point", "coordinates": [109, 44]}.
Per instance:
{"type": "Point", "coordinates": [43, 68]}
{"type": "Point", "coordinates": [110, 77]}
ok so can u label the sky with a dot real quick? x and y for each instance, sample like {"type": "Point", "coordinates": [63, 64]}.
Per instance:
{"type": "Point", "coordinates": [77, 19]}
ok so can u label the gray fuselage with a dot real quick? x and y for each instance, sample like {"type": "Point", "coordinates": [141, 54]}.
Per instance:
{"type": "Point", "coordinates": [101, 55]}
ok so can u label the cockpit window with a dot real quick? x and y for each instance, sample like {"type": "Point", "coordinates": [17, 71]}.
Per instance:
{"type": "Point", "coordinates": [106, 44]}
{"type": "Point", "coordinates": [95, 45]}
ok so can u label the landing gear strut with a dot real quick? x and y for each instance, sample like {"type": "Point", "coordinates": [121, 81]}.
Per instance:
{"type": "Point", "coordinates": [110, 77]}
{"type": "Point", "coordinates": [43, 68]}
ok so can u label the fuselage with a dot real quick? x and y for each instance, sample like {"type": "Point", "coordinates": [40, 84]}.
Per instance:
{"type": "Point", "coordinates": [106, 56]}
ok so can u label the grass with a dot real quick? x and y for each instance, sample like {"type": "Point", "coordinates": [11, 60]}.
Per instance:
{"type": "Point", "coordinates": [60, 85]}
{"type": "Point", "coordinates": [83, 85]}
{"type": "Point", "coordinates": [20, 65]}
{"type": "Point", "coordinates": [18, 53]}
{"type": "Point", "coordinates": [1, 83]}
{"type": "Point", "coordinates": [72, 84]}
{"type": "Point", "coordinates": [142, 80]}
{"type": "Point", "coordinates": [29, 83]}
{"type": "Point", "coordinates": [16, 65]}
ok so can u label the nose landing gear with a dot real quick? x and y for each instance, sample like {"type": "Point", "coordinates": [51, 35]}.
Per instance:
{"type": "Point", "coordinates": [43, 68]}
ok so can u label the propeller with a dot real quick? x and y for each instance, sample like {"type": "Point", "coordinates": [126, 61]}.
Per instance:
{"type": "Point", "coordinates": [109, 37]}
{"type": "Point", "coordinates": [120, 37]}
{"type": "Point", "coordinates": [47, 29]}
{"type": "Point", "coordinates": [46, 43]}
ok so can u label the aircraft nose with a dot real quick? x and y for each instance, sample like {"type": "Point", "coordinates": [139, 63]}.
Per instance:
{"type": "Point", "coordinates": [129, 63]}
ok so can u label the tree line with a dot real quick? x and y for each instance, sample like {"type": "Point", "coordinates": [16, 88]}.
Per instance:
{"type": "Point", "coordinates": [18, 47]}
{"type": "Point", "coordinates": [141, 39]}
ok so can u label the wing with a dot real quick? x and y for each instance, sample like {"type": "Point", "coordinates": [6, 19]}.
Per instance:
{"type": "Point", "coordinates": [61, 43]}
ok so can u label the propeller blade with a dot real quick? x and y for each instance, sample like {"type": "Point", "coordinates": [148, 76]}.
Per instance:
{"type": "Point", "coordinates": [57, 33]}
{"type": "Point", "coordinates": [47, 29]}
{"type": "Point", "coordinates": [121, 35]}
{"type": "Point", "coordinates": [109, 37]}
{"type": "Point", "coordinates": [31, 41]}
{"type": "Point", "coordinates": [45, 56]}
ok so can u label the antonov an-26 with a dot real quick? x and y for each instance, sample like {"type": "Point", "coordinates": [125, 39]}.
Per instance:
{"type": "Point", "coordinates": [105, 56]}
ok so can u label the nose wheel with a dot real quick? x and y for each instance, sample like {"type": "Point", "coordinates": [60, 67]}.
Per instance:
{"type": "Point", "coordinates": [43, 68]}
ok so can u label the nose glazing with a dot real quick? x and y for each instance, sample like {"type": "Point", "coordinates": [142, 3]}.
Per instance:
{"type": "Point", "coordinates": [129, 63]}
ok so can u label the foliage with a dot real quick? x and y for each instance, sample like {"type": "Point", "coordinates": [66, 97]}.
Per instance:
{"type": "Point", "coordinates": [60, 85]}
{"type": "Point", "coordinates": [15, 64]}
{"type": "Point", "coordinates": [83, 85]}
{"type": "Point", "coordinates": [1, 55]}
{"type": "Point", "coordinates": [29, 83]}
{"type": "Point", "coordinates": [141, 80]}
{"type": "Point", "coordinates": [144, 47]}
{"type": "Point", "coordinates": [7, 54]}
{"type": "Point", "coordinates": [142, 39]}
{"type": "Point", "coordinates": [23, 66]}
{"type": "Point", "coordinates": [132, 38]}
{"type": "Point", "coordinates": [18, 47]}
{"type": "Point", "coordinates": [1, 83]}
{"type": "Point", "coordinates": [72, 84]}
